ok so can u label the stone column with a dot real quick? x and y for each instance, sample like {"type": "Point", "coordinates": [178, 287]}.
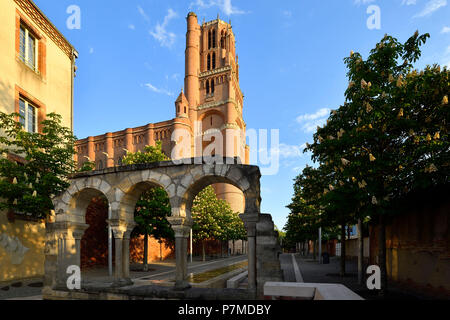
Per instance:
{"type": "Point", "coordinates": [68, 237]}
{"type": "Point", "coordinates": [250, 220]}
{"type": "Point", "coordinates": [118, 263]}
{"type": "Point", "coordinates": [126, 254]}
{"type": "Point", "coordinates": [182, 227]}
{"type": "Point", "coordinates": [121, 242]}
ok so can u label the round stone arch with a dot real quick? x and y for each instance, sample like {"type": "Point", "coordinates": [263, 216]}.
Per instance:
{"type": "Point", "coordinates": [72, 204]}
{"type": "Point", "coordinates": [130, 190]}
{"type": "Point", "coordinates": [236, 175]}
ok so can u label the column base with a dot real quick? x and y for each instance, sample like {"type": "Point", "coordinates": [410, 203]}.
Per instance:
{"type": "Point", "coordinates": [122, 283]}
{"type": "Point", "coordinates": [182, 285]}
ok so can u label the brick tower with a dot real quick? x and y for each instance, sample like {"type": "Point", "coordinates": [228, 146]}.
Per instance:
{"type": "Point", "coordinates": [211, 100]}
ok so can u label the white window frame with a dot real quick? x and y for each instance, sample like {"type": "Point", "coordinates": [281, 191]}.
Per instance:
{"type": "Point", "coordinates": [27, 105]}
{"type": "Point", "coordinates": [27, 49]}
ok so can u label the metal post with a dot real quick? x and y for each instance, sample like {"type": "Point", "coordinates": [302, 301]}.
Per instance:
{"type": "Point", "coordinates": [360, 252]}
{"type": "Point", "coordinates": [109, 242]}
{"type": "Point", "coordinates": [190, 244]}
{"type": "Point", "coordinates": [320, 245]}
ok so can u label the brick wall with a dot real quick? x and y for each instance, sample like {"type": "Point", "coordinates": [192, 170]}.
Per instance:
{"type": "Point", "coordinates": [418, 244]}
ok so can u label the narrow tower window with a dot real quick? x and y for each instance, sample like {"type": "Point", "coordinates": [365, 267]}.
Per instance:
{"type": "Point", "coordinates": [214, 60]}
{"type": "Point", "coordinates": [207, 86]}
{"type": "Point", "coordinates": [209, 62]}
{"type": "Point", "coordinates": [209, 39]}
{"type": "Point", "coordinates": [214, 38]}
{"type": "Point", "coordinates": [212, 85]}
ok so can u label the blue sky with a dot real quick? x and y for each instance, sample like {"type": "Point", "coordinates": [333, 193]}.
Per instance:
{"type": "Point", "coordinates": [131, 63]}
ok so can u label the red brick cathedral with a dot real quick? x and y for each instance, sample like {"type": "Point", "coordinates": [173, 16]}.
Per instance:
{"type": "Point", "coordinates": [211, 100]}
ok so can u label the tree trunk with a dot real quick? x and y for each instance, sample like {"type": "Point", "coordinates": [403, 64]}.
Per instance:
{"type": "Point", "coordinates": [146, 252]}
{"type": "Point", "coordinates": [360, 252]}
{"type": "Point", "coordinates": [307, 248]}
{"type": "Point", "coordinates": [314, 250]}
{"type": "Point", "coordinates": [343, 250]}
{"type": "Point", "coordinates": [234, 250]}
{"type": "Point", "coordinates": [160, 251]}
{"type": "Point", "coordinates": [203, 250]}
{"type": "Point", "coordinates": [382, 254]}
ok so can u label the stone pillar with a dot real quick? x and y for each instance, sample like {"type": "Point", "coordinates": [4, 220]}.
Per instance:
{"type": "Point", "coordinates": [67, 237]}
{"type": "Point", "coordinates": [126, 253]}
{"type": "Point", "coordinates": [121, 233]}
{"type": "Point", "coordinates": [250, 220]}
{"type": "Point", "coordinates": [182, 227]}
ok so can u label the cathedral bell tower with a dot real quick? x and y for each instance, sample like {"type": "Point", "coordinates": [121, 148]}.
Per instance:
{"type": "Point", "coordinates": [212, 93]}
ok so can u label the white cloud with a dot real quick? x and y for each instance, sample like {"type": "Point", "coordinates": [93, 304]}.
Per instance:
{"type": "Point", "coordinates": [445, 29]}
{"type": "Point", "coordinates": [131, 27]}
{"type": "Point", "coordinates": [91, 50]}
{"type": "Point", "coordinates": [409, 2]}
{"type": "Point", "coordinates": [287, 13]}
{"type": "Point", "coordinates": [224, 5]}
{"type": "Point", "coordinates": [164, 37]}
{"type": "Point", "coordinates": [157, 90]}
{"type": "Point", "coordinates": [430, 7]}
{"type": "Point", "coordinates": [360, 2]}
{"type": "Point", "coordinates": [143, 14]}
{"type": "Point", "coordinates": [311, 121]}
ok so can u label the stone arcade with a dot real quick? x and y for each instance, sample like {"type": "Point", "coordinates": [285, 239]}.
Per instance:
{"type": "Point", "coordinates": [122, 186]}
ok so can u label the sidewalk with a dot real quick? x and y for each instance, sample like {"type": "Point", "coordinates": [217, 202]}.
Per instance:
{"type": "Point", "coordinates": [313, 272]}
{"type": "Point", "coordinates": [164, 271]}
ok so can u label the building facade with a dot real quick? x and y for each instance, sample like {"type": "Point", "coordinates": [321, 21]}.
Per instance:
{"type": "Point", "coordinates": [210, 105]}
{"type": "Point", "coordinates": [36, 78]}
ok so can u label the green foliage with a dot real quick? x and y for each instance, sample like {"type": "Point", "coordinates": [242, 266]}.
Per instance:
{"type": "Point", "coordinates": [389, 138]}
{"type": "Point", "coordinates": [151, 213]}
{"type": "Point", "coordinates": [48, 159]}
{"type": "Point", "coordinates": [150, 154]}
{"type": "Point", "coordinates": [153, 207]}
{"type": "Point", "coordinates": [87, 166]}
{"type": "Point", "coordinates": [214, 219]}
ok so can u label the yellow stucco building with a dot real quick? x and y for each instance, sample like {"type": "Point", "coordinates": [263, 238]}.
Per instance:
{"type": "Point", "coordinates": [36, 78]}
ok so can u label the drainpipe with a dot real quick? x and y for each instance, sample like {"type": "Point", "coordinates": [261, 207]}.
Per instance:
{"type": "Point", "coordinates": [191, 244]}
{"type": "Point", "coordinates": [109, 241]}
{"type": "Point", "coordinates": [74, 56]}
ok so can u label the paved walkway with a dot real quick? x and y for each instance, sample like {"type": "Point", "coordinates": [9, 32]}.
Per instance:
{"type": "Point", "coordinates": [313, 272]}
{"type": "Point", "coordinates": [159, 273]}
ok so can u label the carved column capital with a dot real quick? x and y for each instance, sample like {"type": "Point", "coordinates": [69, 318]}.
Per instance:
{"type": "Point", "coordinates": [181, 226]}
{"type": "Point", "coordinates": [121, 228]}
{"type": "Point", "coordinates": [250, 221]}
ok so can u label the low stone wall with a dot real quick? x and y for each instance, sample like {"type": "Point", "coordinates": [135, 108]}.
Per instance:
{"type": "Point", "coordinates": [308, 291]}
{"type": "Point", "coordinates": [148, 293]}
{"type": "Point", "coordinates": [220, 281]}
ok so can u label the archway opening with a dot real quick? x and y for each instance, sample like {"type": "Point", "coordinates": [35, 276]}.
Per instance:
{"type": "Point", "coordinates": [152, 239]}
{"type": "Point", "coordinates": [94, 243]}
{"type": "Point", "coordinates": [217, 230]}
